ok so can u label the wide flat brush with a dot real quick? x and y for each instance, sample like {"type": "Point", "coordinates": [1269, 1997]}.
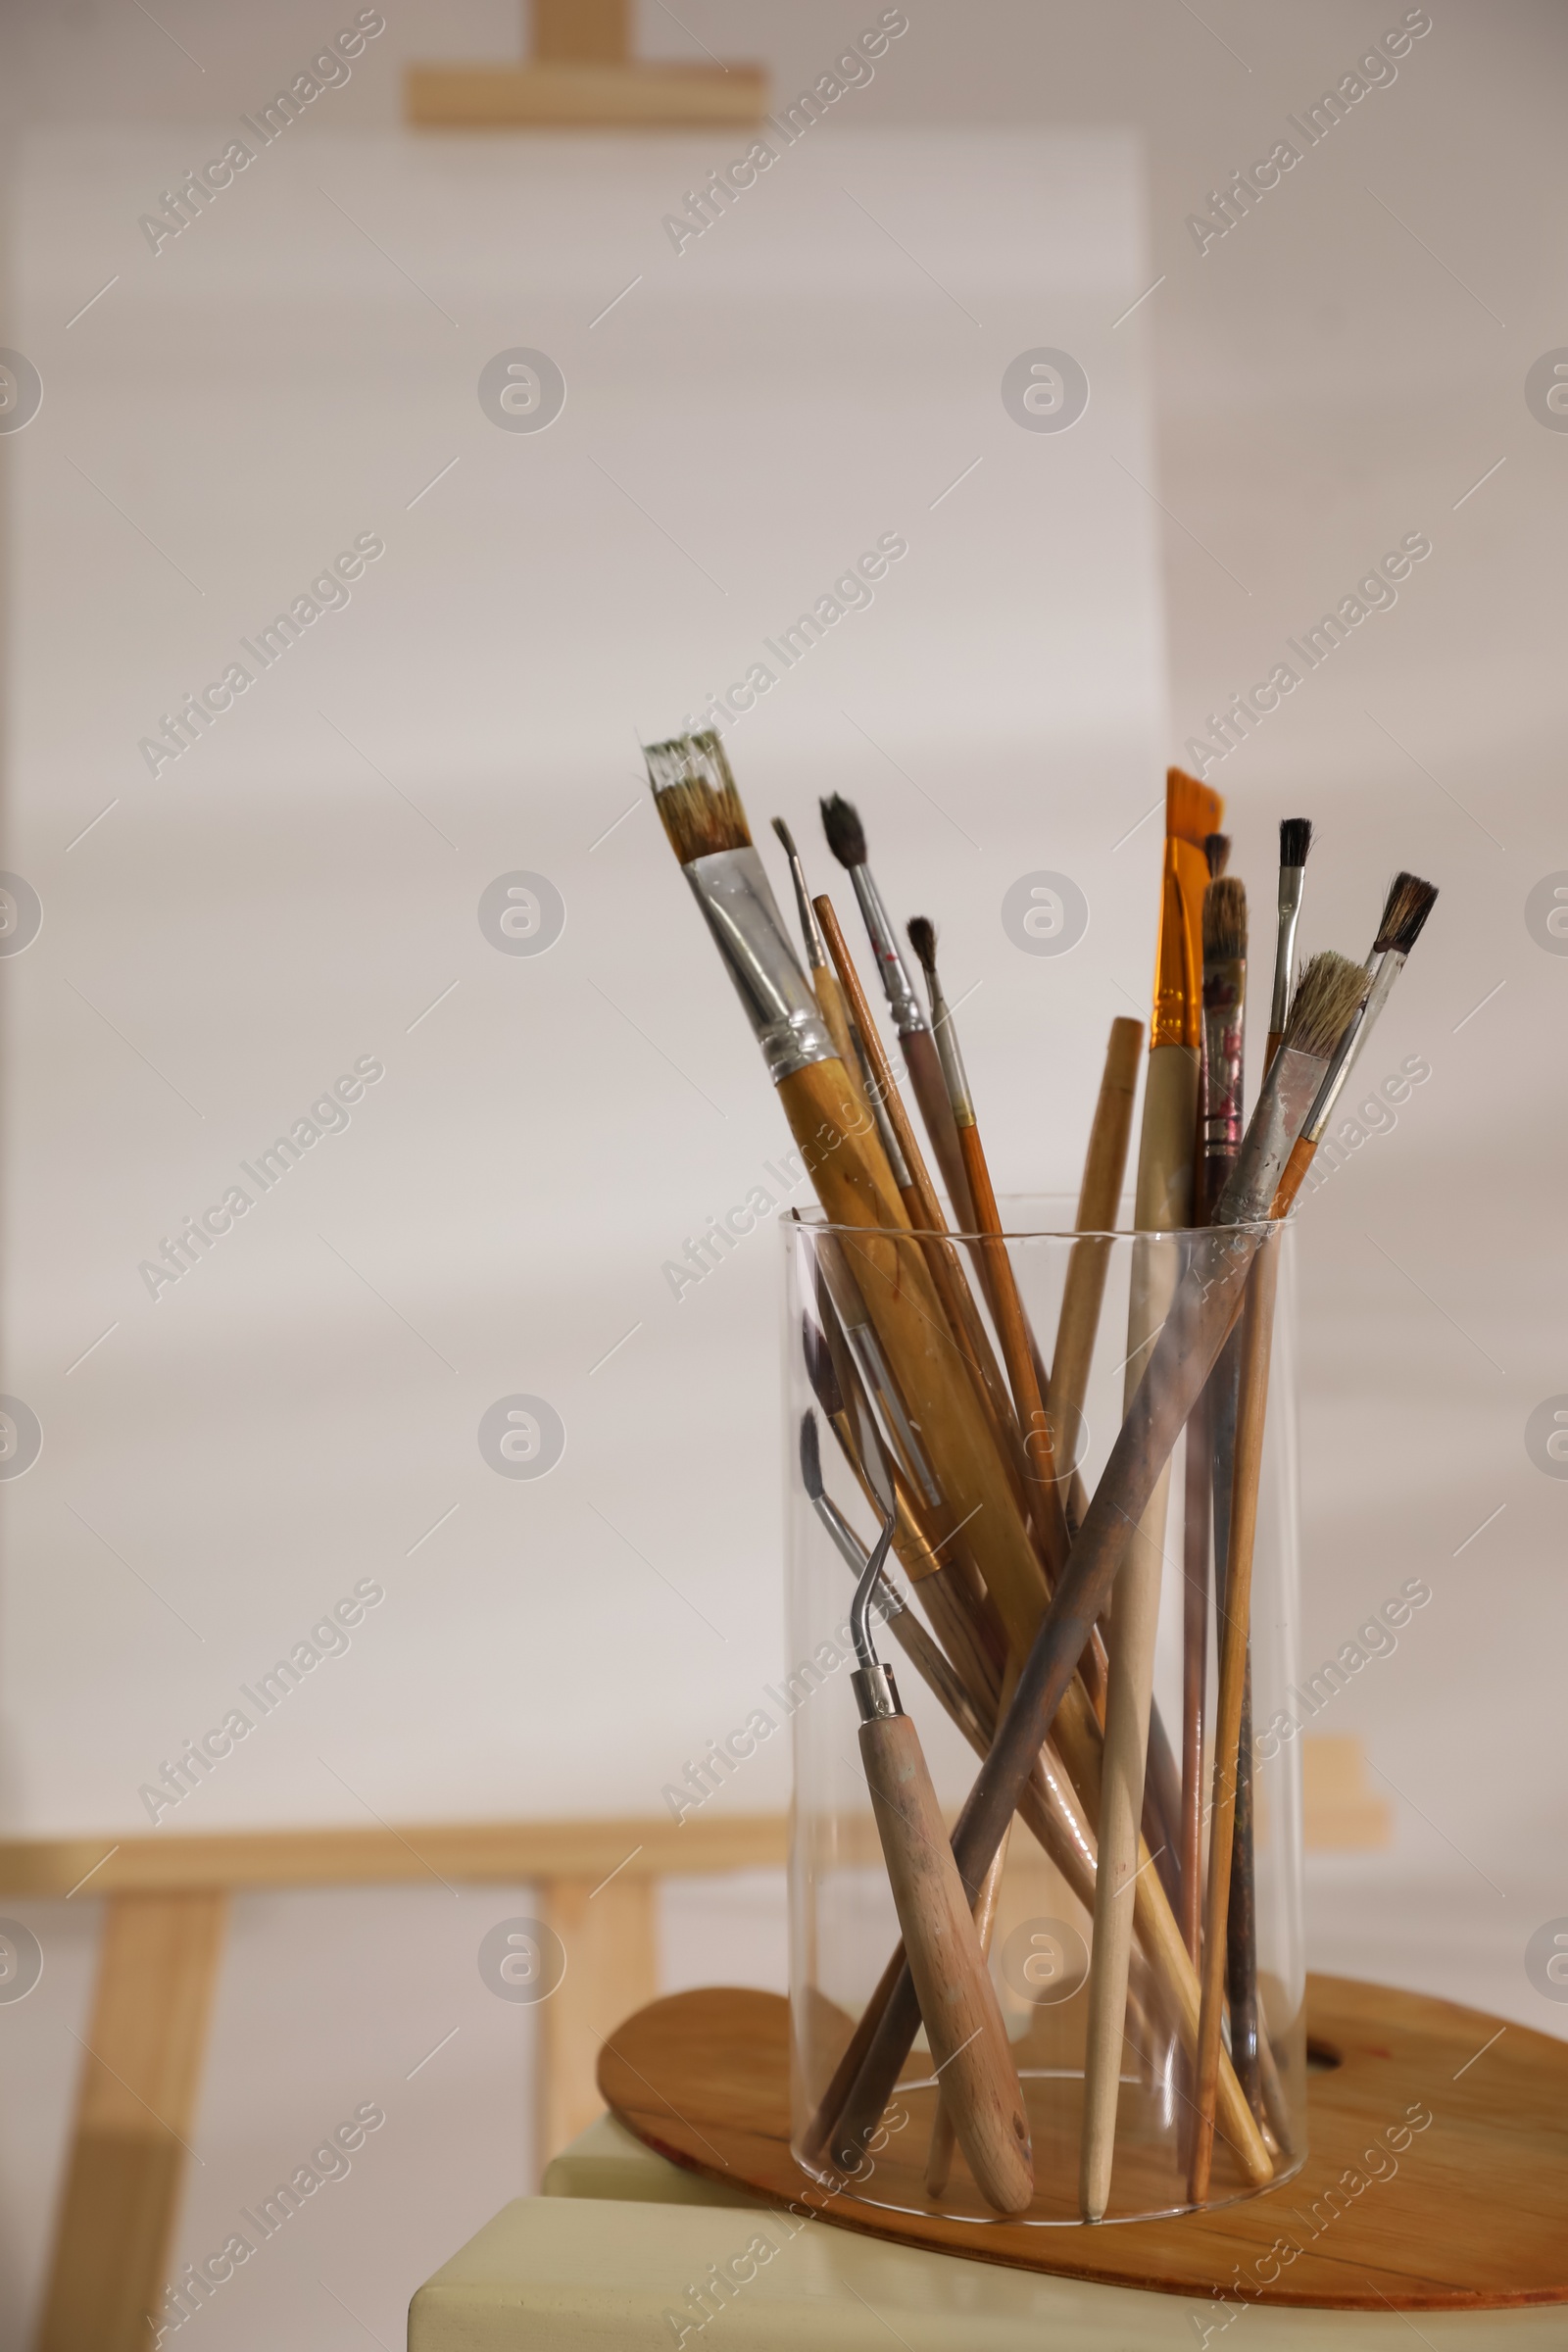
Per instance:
{"type": "Point", "coordinates": [1203, 1315]}
{"type": "Point", "coordinates": [845, 838]}
{"type": "Point", "coordinates": [703, 816]}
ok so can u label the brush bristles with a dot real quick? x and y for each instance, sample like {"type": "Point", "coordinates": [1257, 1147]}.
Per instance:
{"type": "Point", "coordinates": [1192, 810]}
{"type": "Point", "coordinates": [820, 1368]}
{"type": "Point", "coordinates": [786, 836]}
{"type": "Point", "coordinates": [1295, 840]}
{"type": "Point", "coordinates": [810, 1456]}
{"type": "Point", "coordinates": [696, 798]}
{"type": "Point", "coordinates": [846, 835]}
{"type": "Point", "coordinates": [1408, 903]}
{"type": "Point", "coordinates": [1217, 850]}
{"type": "Point", "coordinates": [1225, 921]}
{"type": "Point", "coordinates": [1327, 997]}
{"type": "Point", "coordinates": [923, 940]}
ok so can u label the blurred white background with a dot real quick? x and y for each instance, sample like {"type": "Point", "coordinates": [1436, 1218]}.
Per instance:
{"type": "Point", "coordinates": [301, 888]}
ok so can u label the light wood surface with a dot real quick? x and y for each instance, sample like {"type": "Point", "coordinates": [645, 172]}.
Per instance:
{"type": "Point", "coordinates": [963, 2025]}
{"type": "Point", "coordinates": [482, 1852]}
{"type": "Point", "coordinates": [578, 97]}
{"type": "Point", "coordinates": [1437, 2176]}
{"type": "Point", "coordinates": [135, 2111]}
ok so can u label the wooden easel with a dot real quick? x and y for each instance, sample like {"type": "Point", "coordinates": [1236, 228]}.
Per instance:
{"type": "Point", "coordinates": [582, 76]}
{"type": "Point", "coordinates": [166, 1902]}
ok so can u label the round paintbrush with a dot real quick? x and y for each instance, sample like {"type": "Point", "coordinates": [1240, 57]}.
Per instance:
{"type": "Point", "coordinates": [1295, 842]}
{"type": "Point", "coordinates": [845, 838]}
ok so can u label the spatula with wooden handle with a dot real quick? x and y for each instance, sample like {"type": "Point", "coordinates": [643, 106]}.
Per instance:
{"type": "Point", "coordinates": [969, 2048]}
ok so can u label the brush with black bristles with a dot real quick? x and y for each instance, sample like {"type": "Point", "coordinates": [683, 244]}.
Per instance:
{"type": "Point", "coordinates": [1217, 850]}
{"type": "Point", "coordinates": [1295, 841]}
{"type": "Point", "coordinates": [1405, 913]}
{"type": "Point", "coordinates": [1013, 1324]}
{"type": "Point", "coordinates": [845, 838]}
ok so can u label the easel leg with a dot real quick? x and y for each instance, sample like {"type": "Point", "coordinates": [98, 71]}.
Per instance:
{"type": "Point", "coordinates": [612, 1969]}
{"type": "Point", "coordinates": [136, 2108]}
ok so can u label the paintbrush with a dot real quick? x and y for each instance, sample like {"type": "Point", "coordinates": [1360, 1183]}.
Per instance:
{"type": "Point", "coordinates": [1405, 913]}
{"type": "Point", "coordinates": [1219, 1139]}
{"type": "Point", "coordinates": [830, 998]}
{"type": "Point", "coordinates": [1012, 1325]}
{"type": "Point", "coordinates": [1224, 1006]}
{"type": "Point", "coordinates": [845, 838]}
{"type": "Point", "coordinates": [1216, 854]}
{"type": "Point", "coordinates": [705, 824]}
{"type": "Point", "coordinates": [924, 1212]}
{"type": "Point", "coordinates": [959, 2004]}
{"type": "Point", "coordinates": [1163, 1202]}
{"type": "Point", "coordinates": [1098, 1200]}
{"type": "Point", "coordinates": [1207, 1305]}
{"type": "Point", "coordinates": [1295, 842]}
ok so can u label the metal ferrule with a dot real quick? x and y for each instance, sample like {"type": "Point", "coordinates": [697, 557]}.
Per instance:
{"type": "Point", "coordinates": [875, 1692]}
{"type": "Point", "coordinates": [954, 1075]}
{"type": "Point", "coordinates": [733, 892]}
{"type": "Point", "coordinates": [1283, 1108]}
{"type": "Point", "coordinates": [1292, 879]}
{"type": "Point", "coordinates": [903, 1001]}
{"type": "Point", "coordinates": [1390, 965]}
{"type": "Point", "coordinates": [1224, 994]}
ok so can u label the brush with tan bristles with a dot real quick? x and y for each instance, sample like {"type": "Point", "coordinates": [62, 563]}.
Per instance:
{"type": "Point", "coordinates": [1203, 1312]}
{"type": "Point", "coordinates": [1405, 913]}
{"type": "Point", "coordinates": [703, 816]}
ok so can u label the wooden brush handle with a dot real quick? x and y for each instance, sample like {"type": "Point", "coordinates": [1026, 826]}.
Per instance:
{"type": "Point", "coordinates": [1099, 1198]}
{"type": "Point", "coordinates": [969, 2047]}
{"type": "Point", "coordinates": [943, 2130]}
{"type": "Point", "coordinates": [924, 1065]}
{"type": "Point", "coordinates": [1017, 1353]}
{"type": "Point", "coordinates": [1257, 1336]}
{"type": "Point", "coordinates": [830, 1003]}
{"type": "Point", "coordinates": [1195, 1663]}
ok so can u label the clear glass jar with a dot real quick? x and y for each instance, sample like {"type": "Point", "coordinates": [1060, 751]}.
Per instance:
{"type": "Point", "coordinates": [843, 1924]}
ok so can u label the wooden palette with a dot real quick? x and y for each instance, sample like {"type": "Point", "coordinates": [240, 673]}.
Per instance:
{"type": "Point", "coordinates": [1467, 2211]}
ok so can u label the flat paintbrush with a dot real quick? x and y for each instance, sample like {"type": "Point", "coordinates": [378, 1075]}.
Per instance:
{"type": "Point", "coordinates": [1203, 1315]}
{"type": "Point", "coordinates": [845, 838]}
{"type": "Point", "coordinates": [1405, 913]}
{"type": "Point", "coordinates": [702, 815]}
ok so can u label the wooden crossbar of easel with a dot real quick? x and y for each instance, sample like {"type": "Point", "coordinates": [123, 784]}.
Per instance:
{"type": "Point", "coordinates": [582, 76]}
{"type": "Point", "coordinates": [166, 1902]}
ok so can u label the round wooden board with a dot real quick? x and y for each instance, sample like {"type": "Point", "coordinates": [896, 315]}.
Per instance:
{"type": "Point", "coordinates": [1471, 2214]}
